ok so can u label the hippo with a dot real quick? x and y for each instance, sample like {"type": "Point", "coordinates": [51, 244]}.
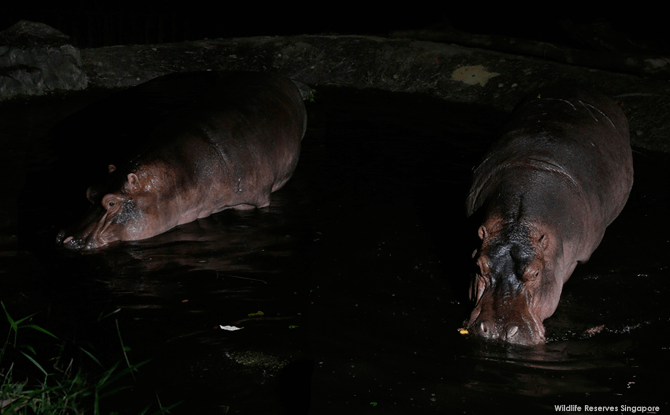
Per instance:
{"type": "Point", "coordinates": [557, 176]}
{"type": "Point", "coordinates": [229, 150]}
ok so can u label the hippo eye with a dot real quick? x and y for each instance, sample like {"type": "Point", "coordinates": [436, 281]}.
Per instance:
{"type": "Point", "coordinates": [531, 274]}
{"type": "Point", "coordinates": [108, 202]}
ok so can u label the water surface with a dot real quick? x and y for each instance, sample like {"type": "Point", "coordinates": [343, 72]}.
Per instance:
{"type": "Point", "coordinates": [359, 268]}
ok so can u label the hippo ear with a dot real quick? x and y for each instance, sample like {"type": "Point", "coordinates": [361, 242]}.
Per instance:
{"type": "Point", "coordinates": [94, 193]}
{"type": "Point", "coordinates": [111, 168]}
{"type": "Point", "coordinates": [482, 232]}
{"type": "Point", "coordinates": [90, 193]}
{"type": "Point", "coordinates": [133, 182]}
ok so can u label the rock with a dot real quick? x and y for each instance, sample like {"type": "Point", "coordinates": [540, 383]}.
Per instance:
{"type": "Point", "coordinates": [35, 59]}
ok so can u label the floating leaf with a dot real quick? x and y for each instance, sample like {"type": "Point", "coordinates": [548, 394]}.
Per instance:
{"type": "Point", "coordinates": [231, 328]}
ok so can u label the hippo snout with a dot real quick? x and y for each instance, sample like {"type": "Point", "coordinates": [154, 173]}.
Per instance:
{"type": "Point", "coordinates": [68, 241]}
{"type": "Point", "coordinates": [510, 332]}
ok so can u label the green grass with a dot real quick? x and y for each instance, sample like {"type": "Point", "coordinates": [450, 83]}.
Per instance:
{"type": "Point", "coordinates": [31, 384]}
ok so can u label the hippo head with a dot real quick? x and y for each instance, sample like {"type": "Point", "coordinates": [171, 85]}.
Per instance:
{"type": "Point", "coordinates": [127, 214]}
{"type": "Point", "coordinates": [515, 286]}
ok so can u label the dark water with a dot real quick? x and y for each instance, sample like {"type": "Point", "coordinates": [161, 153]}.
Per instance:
{"type": "Point", "coordinates": [359, 267]}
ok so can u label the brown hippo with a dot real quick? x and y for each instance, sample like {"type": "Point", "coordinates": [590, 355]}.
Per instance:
{"type": "Point", "coordinates": [231, 149]}
{"type": "Point", "coordinates": [559, 174]}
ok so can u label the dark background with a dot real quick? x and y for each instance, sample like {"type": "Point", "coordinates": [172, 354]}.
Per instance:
{"type": "Point", "coordinates": [106, 23]}
{"type": "Point", "coordinates": [379, 343]}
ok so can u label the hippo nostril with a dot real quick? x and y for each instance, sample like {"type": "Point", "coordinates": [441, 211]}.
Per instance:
{"type": "Point", "coordinates": [487, 330]}
{"type": "Point", "coordinates": [512, 331]}
{"type": "Point", "coordinates": [73, 242]}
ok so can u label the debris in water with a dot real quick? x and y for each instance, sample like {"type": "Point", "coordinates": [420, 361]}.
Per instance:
{"type": "Point", "coordinates": [594, 330]}
{"type": "Point", "coordinates": [231, 328]}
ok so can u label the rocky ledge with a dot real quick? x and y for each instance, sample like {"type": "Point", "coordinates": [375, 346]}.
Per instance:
{"type": "Point", "coordinates": [491, 78]}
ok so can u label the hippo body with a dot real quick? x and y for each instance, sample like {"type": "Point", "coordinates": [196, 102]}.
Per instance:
{"type": "Point", "coordinates": [543, 195]}
{"type": "Point", "coordinates": [231, 149]}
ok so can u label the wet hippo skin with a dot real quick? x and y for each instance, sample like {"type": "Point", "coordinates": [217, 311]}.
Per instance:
{"type": "Point", "coordinates": [543, 195]}
{"type": "Point", "coordinates": [231, 149]}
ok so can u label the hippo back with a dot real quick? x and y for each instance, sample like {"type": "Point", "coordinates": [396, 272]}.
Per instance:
{"type": "Point", "coordinates": [581, 135]}
{"type": "Point", "coordinates": [265, 119]}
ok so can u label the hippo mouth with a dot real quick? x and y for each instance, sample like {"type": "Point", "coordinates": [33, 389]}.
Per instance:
{"type": "Point", "coordinates": [87, 234]}
{"type": "Point", "coordinates": [520, 329]}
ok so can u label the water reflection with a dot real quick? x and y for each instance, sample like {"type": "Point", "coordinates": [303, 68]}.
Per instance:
{"type": "Point", "coordinates": [568, 355]}
{"type": "Point", "coordinates": [240, 268]}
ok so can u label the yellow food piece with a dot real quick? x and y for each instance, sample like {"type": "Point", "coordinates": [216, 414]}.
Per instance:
{"type": "Point", "coordinates": [463, 331]}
